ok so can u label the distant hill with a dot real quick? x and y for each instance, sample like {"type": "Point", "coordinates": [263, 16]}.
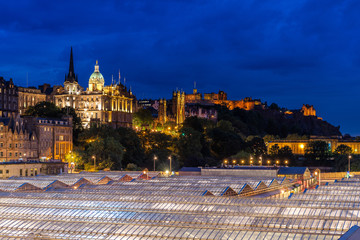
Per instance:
{"type": "Point", "coordinates": [275, 122]}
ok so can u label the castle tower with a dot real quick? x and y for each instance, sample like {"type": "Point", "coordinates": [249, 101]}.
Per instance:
{"type": "Point", "coordinates": [308, 110]}
{"type": "Point", "coordinates": [178, 106]}
{"type": "Point", "coordinates": [162, 111]}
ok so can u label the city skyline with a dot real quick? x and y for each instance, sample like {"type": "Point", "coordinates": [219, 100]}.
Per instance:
{"type": "Point", "coordinates": [277, 51]}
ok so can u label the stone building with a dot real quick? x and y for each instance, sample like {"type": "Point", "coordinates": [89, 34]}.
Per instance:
{"type": "Point", "coordinates": [220, 98]}
{"type": "Point", "coordinates": [8, 98]}
{"type": "Point", "coordinates": [30, 168]}
{"type": "Point", "coordinates": [99, 104]}
{"type": "Point", "coordinates": [30, 138]}
{"type": "Point", "coordinates": [16, 142]}
{"type": "Point", "coordinates": [54, 136]}
{"type": "Point", "coordinates": [29, 97]}
{"type": "Point", "coordinates": [308, 110]}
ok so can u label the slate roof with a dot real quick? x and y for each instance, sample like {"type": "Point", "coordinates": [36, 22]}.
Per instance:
{"type": "Point", "coordinates": [291, 170]}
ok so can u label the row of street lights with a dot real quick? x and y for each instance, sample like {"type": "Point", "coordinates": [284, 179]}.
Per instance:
{"type": "Point", "coordinates": [234, 162]}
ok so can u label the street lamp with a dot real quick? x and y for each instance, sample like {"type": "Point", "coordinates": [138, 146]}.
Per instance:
{"type": "Point", "coordinates": [260, 160]}
{"type": "Point", "coordinates": [155, 158]}
{"type": "Point", "coordinates": [268, 162]}
{"type": "Point", "coordinates": [170, 165]}
{"type": "Point", "coordinates": [242, 162]}
{"type": "Point", "coordinates": [94, 157]}
{"type": "Point", "coordinates": [349, 164]}
{"type": "Point", "coordinates": [226, 161]}
{"type": "Point", "coordinates": [286, 162]}
{"type": "Point", "coordinates": [234, 162]}
{"type": "Point", "coordinates": [277, 162]}
{"type": "Point", "coordinates": [72, 165]}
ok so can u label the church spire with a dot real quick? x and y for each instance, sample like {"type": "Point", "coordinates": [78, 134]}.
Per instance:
{"type": "Point", "coordinates": [71, 75]}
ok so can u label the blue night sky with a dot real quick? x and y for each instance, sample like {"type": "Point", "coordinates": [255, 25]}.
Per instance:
{"type": "Point", "coordinates": [288, 52]}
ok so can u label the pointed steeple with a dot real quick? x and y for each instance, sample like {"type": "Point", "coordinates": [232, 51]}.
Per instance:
{"type": "Point", "coordinates": [71, 75]}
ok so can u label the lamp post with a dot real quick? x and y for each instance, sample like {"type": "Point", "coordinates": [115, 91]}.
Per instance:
{"type": "Point", "coordinates": [349, 164]}
{"type": "Point", "coordinates": [155, 158]}
{"type": "Point", "coordinates": [94, 157]}
{"type": "Point", "coordinates": [234, 162]}
{"type": "Point", "coordinates": [268, 162]}
{"type": "Point", "coordinates": [260, 160]}
{"type": "Point", "coordinates": [170, 166]}
{"type": "Point", "coordinates": [251, 160]}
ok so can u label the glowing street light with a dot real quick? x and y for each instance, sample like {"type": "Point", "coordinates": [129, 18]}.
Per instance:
{"type": "Point", "coordinates": [170, 164]}
{"type": "Point", "coordinates": [155, 158]}
{"type": "Point", "coordinates": [268, 162]}
{"type": "Point", "coordinates": [349, 163]}
{"type": "Point", "coordinates": [286, 162]}
{"type": "Point", "coordinates": [234, 162]}
{"type": "Point", "coordinates": [94, 157]}
{"type": "Point", "coordinates": [242, 162]}
{"type": "Point", "coordinates": [226, 161]}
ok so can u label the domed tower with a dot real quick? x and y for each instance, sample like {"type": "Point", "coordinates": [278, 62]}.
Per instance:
{"type": "Point", "coordinates": [96, 80]}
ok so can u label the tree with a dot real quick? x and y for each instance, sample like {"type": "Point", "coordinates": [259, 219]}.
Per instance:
{"type": "Point", "coordinates": [343, 150]}
{"type": "Point", "coordinates": [189, 148]}
{"type": "Point", "coordinates": [317, 151]}
{"type": "Point", "coordinates": [134, 152]}
{"type": "Point", "coordinates": [225, 143]}
{"type": "Point", "coordinates": [257, 146]}
{"type": "Point", "coordinates": [74, 157]}
{"type": "Point", "coordinates": [285, 153]}
{"type": "Point", "coordinates": [274, 106]}
{"type": "Point", "coordinates": [268, 138]}
{"type": "Point", "coordinates": [76, 120]}
{"type": "Point", "coordinates": [274, 151]}
{"type": "Point", "coordinates": [143, 118]}
{"type": "Point", "coordinates": [44, 109]}
{"type": "Point", "coordinates": [225, 125]}
{"type": "Point", "coordinates": [341, 154]}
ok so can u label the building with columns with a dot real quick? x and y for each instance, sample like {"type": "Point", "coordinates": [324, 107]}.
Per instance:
{"type": "Point", "coordinates": [98, 104]}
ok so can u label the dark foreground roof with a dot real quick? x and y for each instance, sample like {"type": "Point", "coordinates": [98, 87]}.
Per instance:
{"type": "Point", "coordinates": [291, 170]}
{"type": "Point", "coordinates": [190, 169]}
{"type": "Point", "coordinates": [352, 234]}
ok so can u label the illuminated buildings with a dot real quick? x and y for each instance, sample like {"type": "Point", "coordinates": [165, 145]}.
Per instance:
{"type": "Point", "coordinates": [220, 98]}
{"type": "Point", "coordinates": [98, 104]}
{"type": "Point", "coordinates": [8, 97]}
{"type": "Point", "coordinates": [16, 142]}
{"type": "Point", "coordinates": [29, 97]}
{"type": "Point", "coordinates": [28, 138]}
{"type": "Point", "coordinates": [54, 136]}
{"type": "Point", "coordinates": [298, 146]}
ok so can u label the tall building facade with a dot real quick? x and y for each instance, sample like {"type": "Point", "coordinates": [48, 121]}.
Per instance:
{"type": "Point", "coordinates": [28, 97]}
{"type": "Point", "coordinates": [98, 104]}
{"type": "Point", "coordinates": [54, 136]}
{"type": "Point", "coordinates": [16, 142]}
{"type": "Point", "coordinates": [8, 97]}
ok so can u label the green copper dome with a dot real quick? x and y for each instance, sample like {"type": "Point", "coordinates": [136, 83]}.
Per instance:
{"type": "Point", "coordinates": [96, 76]}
